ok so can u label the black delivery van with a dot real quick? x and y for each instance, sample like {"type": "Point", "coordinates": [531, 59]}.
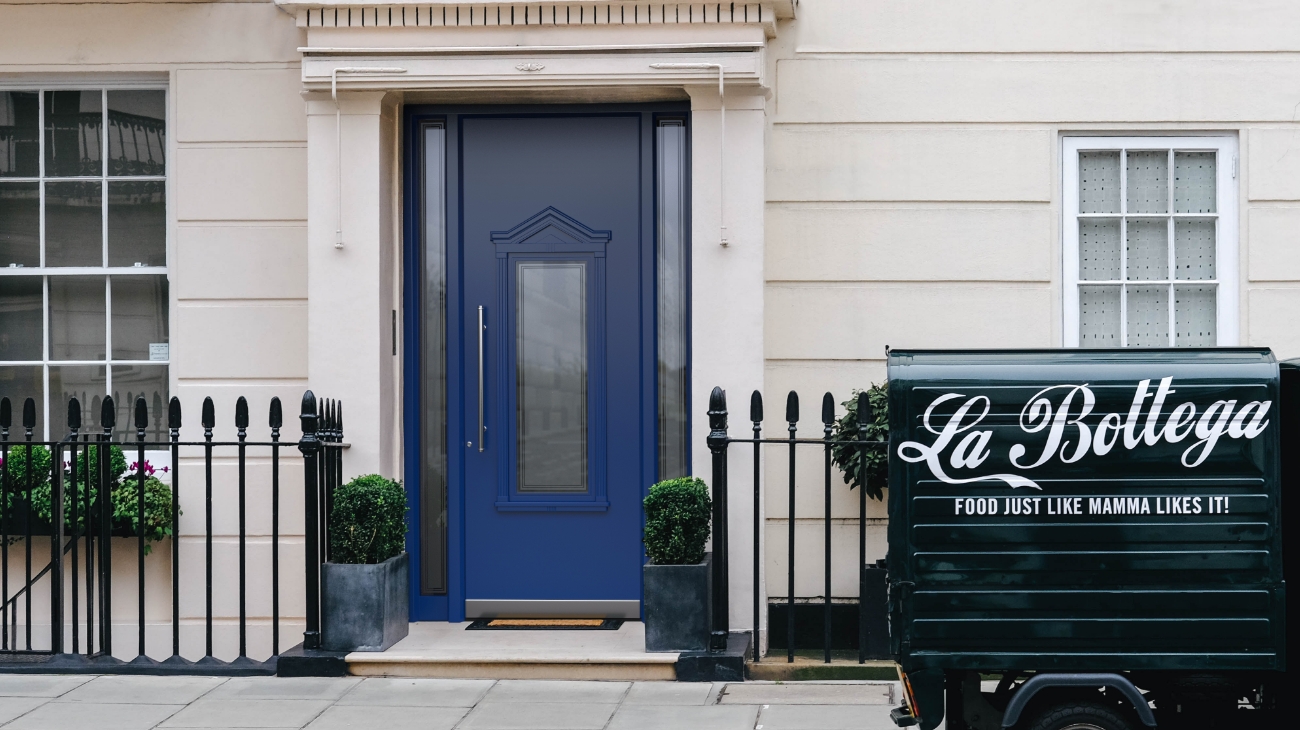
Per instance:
{"type": "Point", "coordinates": [1099, 532]}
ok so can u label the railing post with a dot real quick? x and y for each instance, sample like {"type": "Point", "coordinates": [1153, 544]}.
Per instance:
{"type": "Point", "coordinates": [56, 551]}
{"type": "Point", "coordinates": [717, 441]}
{"type": "Point", "coordinates": [828, 425]}
{"type": "Point", "coordinates": [141, 432]}
{"type": "Point", "coordinates": [756, 417]}
{"type": "Point", "coordinates": [310, 447]}
{"type": "Point", "coordinates": [174, 435]}
{"type": "Point", "coordinates": [792, 418]}
{"type": "Point", "coordinates": [104, 500]}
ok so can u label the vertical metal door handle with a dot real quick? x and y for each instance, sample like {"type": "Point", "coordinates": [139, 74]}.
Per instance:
{"type": "Point", "coordinates": [482, 424]}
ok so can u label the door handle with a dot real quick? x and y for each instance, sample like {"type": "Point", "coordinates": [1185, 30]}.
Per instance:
{"type": "Point", "coordinates": [482, 424]}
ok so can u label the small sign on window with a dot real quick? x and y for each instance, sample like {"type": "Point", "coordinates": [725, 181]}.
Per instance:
{"type": "Point", "coordinates": [159, 351]}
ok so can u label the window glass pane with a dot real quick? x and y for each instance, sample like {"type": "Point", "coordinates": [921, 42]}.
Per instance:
{"type": "Point", "coordinates": [1197, 316]}
{"type": "Point", "coordinates": [18, 383]}
{"type": "Point", "coordinates": [551, 339]}
{"type": "Point", "coordinates": [1194, 182]}
{"type": "Point", "coordinates": [73, 124]}
{"type": "Point", "coordinates": [1099, 316]}
{"type": "Point", "coordinates": [74, 224]}
{"type": "Point", "coordinates": [137, 137]}
{"type": "Point", "coordinates": [433, 488]}
{"type": "Point", "coordinates": [140, 318]}
{"type": "Point", "coordinates": [20, 223]}
{"type": "Point", "coordinates": [1147, 250]}
{"type": "Point", "coordinates": [20, 318]}
{"type": "Point", "coordinates": [137, 224]}
{"type": "Point", "coordinates": [672, 300]}
{"type": "Point", "coordinates": [19, 146]}
{"type": "Point", "coordinates": [77, 318]}
{"type": "Point", "coordinates": [1099, 182]}
{"type": "Point", "coordinates": [1194, 248]}
{"type": "Point", "coordinates": [1099, 250]}
{"type": "Point", "coordinates": [1148, 182]}
{"type": "Point", "coordinates": [1148, 316]}
{"type": "Point", "coordinates": [86, 383]}
{"type": "Point", "coordinates": [140, 381]}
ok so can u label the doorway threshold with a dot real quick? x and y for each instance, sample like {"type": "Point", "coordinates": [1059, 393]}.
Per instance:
{"type": "Point", "coordinates": [448, 650]}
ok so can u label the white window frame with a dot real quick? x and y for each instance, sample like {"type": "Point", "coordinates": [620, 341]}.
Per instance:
{"type": "Point", "coordinates": [1226, 222]}
{"type": "Point", "coordinates": [104, 271]}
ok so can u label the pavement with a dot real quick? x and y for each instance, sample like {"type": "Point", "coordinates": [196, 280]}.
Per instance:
{"type": "Point", "coordinates": [59, 702]}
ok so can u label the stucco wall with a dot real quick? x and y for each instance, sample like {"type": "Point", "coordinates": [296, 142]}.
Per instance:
{"type": "Point", "coordinates": [914, 186]}
{"type": "Point", "coordinates": [237, 209]}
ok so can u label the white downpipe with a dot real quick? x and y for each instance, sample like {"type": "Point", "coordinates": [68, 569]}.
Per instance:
{"type": "Point", "coordinates": [722, 138]}
{"type": "Point", "coordinates": [338, 137]}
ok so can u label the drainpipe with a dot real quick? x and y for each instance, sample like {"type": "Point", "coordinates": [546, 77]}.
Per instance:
{"type": "Point", "coordinates": [722, 137]}
{"type": "Point", "coordinates": [338, 136]}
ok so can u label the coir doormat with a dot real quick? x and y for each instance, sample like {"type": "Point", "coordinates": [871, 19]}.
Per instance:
{"type": "Point", "coordinates": [546, 624]}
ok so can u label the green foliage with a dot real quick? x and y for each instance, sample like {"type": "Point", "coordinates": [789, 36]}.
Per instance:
{"type": "Point", "coordinates": [677, 521]}
{"type": "Point", "coordinates": [124, 492]}
{"type": "Point", "coordinates": [367, 524]}
{"type": "Point", "coordinates": [848, 457]}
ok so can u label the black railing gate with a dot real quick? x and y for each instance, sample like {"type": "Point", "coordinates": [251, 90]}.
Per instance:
{"type": "Point", "coordinates": [81, 501]}
{"type": "Point", "coordinates": [871, 597]}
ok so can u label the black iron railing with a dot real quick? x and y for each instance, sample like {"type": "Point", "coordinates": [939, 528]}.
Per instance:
{"type": "Point", "coordinates": [80, 501]}
{"type": "Point", "coordinates": [871, 600]}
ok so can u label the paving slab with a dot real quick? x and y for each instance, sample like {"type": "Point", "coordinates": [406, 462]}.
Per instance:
{"type": "Point", "coordinates": [805, 694]}
{"type": "Point", "coordinates": [39, 685]}
{"type": "Point", "coordinates": [142, 690]}
{"type": "Point", "coordinates": [825, 717]}
{"type": "Point", "coordinates": [340, 717]}
{"type": "Point", "coordinates": [678, 717]}
{"type": "Point", "coordinates": [287, 688]}
{"type": "Point", "coordinates": [530, 690]}
{"type": "Point", "coordinates": [82, 715]}
{"type": "Point", "coordinates": [537, 716]}
{"type": "Point", "coordinates": [668, 693]}
{"type": "Point", "coordinates": [11, 707]}
{"type": "Point", "coordinates": [417, 692]}
{"type": "Point", "coordinates": [244, 713]}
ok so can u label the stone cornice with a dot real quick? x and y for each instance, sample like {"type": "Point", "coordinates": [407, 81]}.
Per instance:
{"type": "Point", "coordinates": [450, 13]}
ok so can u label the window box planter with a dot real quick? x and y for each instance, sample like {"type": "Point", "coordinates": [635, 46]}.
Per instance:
{"type": "Point", "coordinates": [677, 608]}
{"type": "Point", "coordinates": [364, 607]}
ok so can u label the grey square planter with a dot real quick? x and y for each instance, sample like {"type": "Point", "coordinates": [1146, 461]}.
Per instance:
{"type": "Point", "coordinates": [678, 606]}
{"type": "Point", "coordinates": [364, 607]}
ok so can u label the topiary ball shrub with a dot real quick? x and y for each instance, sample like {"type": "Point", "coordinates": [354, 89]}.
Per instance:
{"type": "Point", "coordinates": [367, 524]}
{"type": "Point", "coordinates": [849, 458]}
{"type": "Point", "coordinates": [677, 521]}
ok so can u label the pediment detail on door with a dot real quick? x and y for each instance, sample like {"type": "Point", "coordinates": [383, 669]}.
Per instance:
{"type": "Point", "coordinates": [552, 226]}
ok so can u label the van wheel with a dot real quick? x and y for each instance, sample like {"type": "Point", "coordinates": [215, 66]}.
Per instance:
{"type": "Point", "coordinates": [1081, 716]}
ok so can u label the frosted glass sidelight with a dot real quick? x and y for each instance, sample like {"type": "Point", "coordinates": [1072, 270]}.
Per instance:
{"type": "Point", "coordinates": [672, 301]}
{"type": "Point", "coordinates": [1194, 248]}
{"type": "Point", "coordinates": [77, 313]}
{"type": "Point", "coordinates": [1099, 182]}
{"type": "Point", "coordinates": [74, 224]}
{"type": "Point", "coordinates": [20, 223]}
{"type": "Point", "coordinates": [1099, 322]}
{"type": "Point", "coordinates": [1194, 182]}
{"type": "Point", "coordinates": [551, 375]}
{"type": "Point", "coordinates": [1099, 249]}
{"type": "Point", "coordinates": [433, 387]}
{"type": "Point", "coordinates": [1148, 181]}
{"type": "Point", "coordinates": [1147, 250]}
{"type": "Point", "coordinates": [1197, 316]}
{"type": "Point", "coordinates": [1148, 316]}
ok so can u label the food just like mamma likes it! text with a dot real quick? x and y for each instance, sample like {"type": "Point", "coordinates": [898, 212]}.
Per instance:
{"type": "Point", "coordinates": [1059, 413]}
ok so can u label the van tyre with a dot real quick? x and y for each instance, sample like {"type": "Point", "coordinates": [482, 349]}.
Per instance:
{"type": "Point", "coordinates": [1081, 716]}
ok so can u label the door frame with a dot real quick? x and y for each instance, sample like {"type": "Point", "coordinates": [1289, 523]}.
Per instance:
{"type": "Point", "coordinates": [450, 605]}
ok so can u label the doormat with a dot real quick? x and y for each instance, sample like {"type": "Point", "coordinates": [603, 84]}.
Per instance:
{"type": "Point", "coordinates": [545, 624]}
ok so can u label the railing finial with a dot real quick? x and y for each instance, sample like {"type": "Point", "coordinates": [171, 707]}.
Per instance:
{"type": "Point", "coordinates": [174, 413]}
{"type": "Point", "coordinates": [792, 408]}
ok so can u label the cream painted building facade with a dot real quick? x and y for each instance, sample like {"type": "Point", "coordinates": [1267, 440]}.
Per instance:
{"type": "Point", "coordinates": [931, 174]}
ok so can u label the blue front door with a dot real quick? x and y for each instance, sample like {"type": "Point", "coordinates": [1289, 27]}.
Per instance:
{"type": "Point", "coordinates": [555, 348]}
